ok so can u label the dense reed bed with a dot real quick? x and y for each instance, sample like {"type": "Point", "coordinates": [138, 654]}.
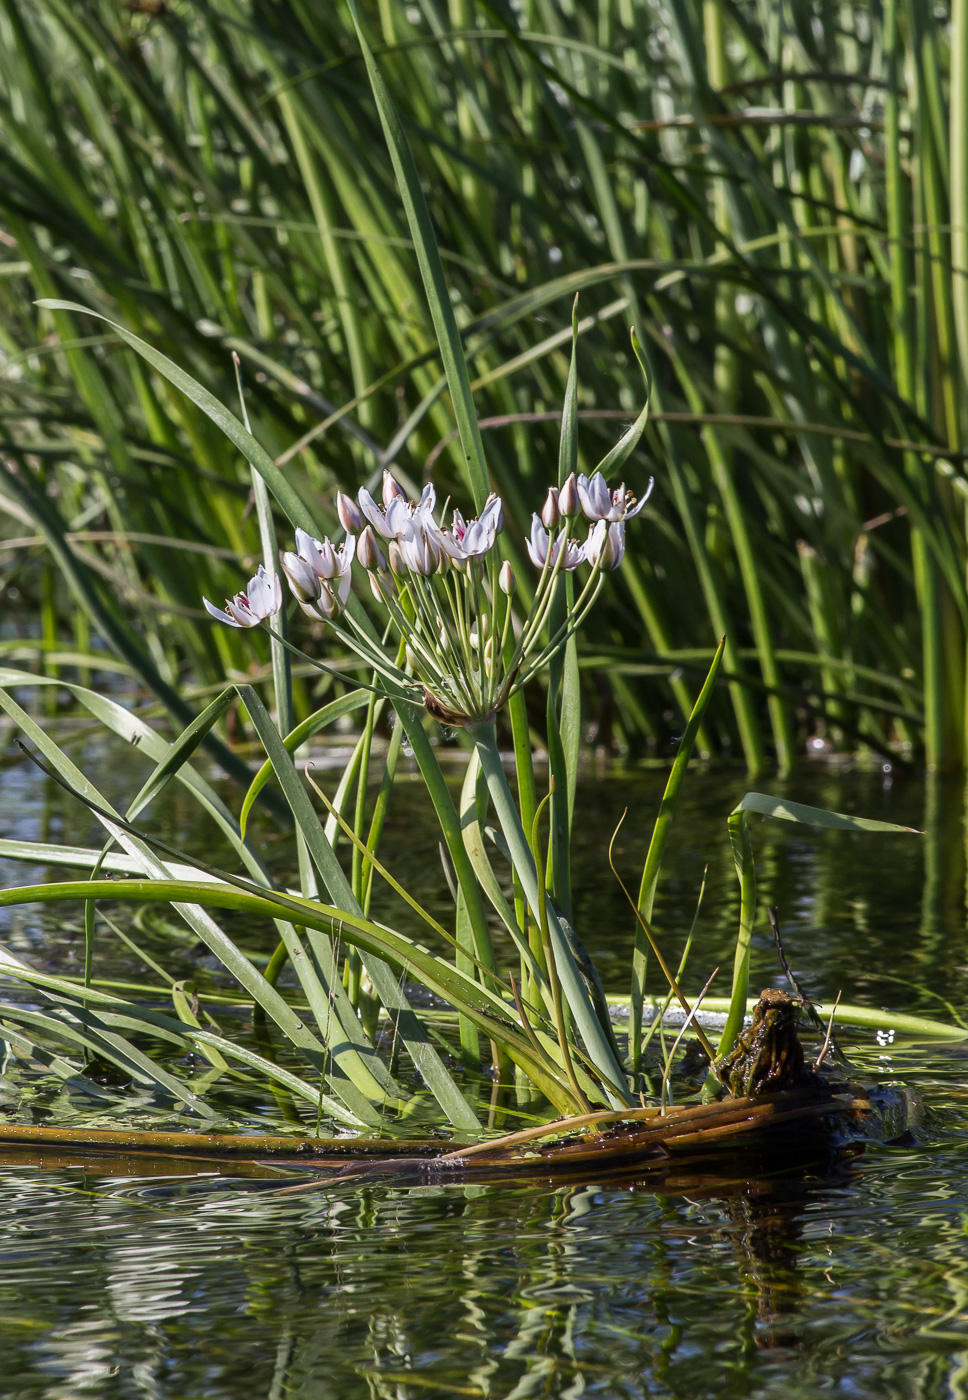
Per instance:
{"type": "Point", "coordinates": [459, 634]}
{"type": "Point", "coordinates": [775, 197]}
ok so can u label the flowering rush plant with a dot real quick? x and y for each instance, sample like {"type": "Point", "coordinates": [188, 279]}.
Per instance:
{"type": "Point", "coordinates": [448, 589]}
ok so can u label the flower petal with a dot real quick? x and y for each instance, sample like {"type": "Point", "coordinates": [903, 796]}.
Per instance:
{"type": "Point", "coordinates": [398, 519]}
{"type": "Point", "coordinates": [347, 553]}
{"type": "Point", "coordinates": [219, 615]}
{"type": "Point", "coordinates": [374, 514]}
{"type": "Point", "coordinates": [240, 612]}
{"type": "Point", "coordinates": [259, 593]}
{"type": "Point", "coordinates": [616, 542]}
{"type": "Point", "coordinates": [302, 578]}
{"type": "Point", "coordinates": [634, 510]}
{"type": "Point", "coordinates": [596, 499]}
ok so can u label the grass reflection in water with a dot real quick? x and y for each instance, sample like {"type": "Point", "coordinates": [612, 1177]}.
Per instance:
{"type": "Point", "coordinates": [781, 1280]}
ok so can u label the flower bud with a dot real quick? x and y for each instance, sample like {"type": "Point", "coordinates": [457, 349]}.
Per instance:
{"type": "Point", "coordinates": [397, 561]}
{"type": "Point", "coordinates": [350, 516]}
{"type": "Point", "coordinates": [493, 513]}
{"type": "Point", "coordinates": [302, 580]}
{"type": "Point", "coordinates": [506, 579]}
{"type": "Point", "coordinates": [379, 586]}
{"type": "Point", "coordinates": [550, 514]}
{"type": "Point", "coordinates": [368, 552]}
{"type": "Point", "coordinates": [391, 489]}
{"type": "Point", "coordinates": [569, 502]}
{"type": "Point", "coordinates": [327, 565]}
{"type": "Point", "coordinates": [420, 553]}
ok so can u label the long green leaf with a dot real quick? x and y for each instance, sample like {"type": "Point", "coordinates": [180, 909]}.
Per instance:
{"type": "Point", "coordinates": [765, 805]}
{"type": "Point", "coordinates": [205, 927]}
{"type": "Point", "coordinates": [480, 1005]}
{"type": "Point", "coordinates": [412, 1033]}
{"type": "Point", "coordinates": [253, 452]}
{"type": "Point", "coordinates": [739, 838]}
{"type": "Point", "coordinates": [432, 273]}
{"type": "Point", "coordinates": [656, 852]}
{"type": "Point", "coordinates": [147, 1020]}
{"type": "Point", "coordinates": [180, 752]}
{"type": "Point", "coordinates": [294, 740]}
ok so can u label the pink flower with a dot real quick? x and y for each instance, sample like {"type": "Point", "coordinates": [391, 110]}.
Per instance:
{"type": "Point", "coordinates": [262, 599]}
{"type": "Point", "coordinates": [605, 546]}
{"type": "Point", "coordinates": [319, 574]}
{"type": "Point", "coordinates": [391, 522]}
{"type": "Point", "coordinates": [472, 538]}
{"type": "Point", "coordinates": [539, 546]}
{"type": "Point", "coordinates": [419, 544]}
{"type": "Point", "coordinates": [599, 503]}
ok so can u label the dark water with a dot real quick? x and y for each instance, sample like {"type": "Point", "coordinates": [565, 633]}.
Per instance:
{"type": "Point", "coordinates": [789, 1277]}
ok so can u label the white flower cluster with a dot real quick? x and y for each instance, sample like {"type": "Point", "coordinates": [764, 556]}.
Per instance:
{"type": "Point", "coordinates": [416, 543]}
{"type": "Point", "coordinates": [447, 590]}
{"type": "Point", "coordinates": [605, 545]}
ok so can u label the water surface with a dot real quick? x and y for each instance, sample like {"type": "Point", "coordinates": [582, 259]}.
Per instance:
{"type": "Point", "coordinates": [813, 1276]}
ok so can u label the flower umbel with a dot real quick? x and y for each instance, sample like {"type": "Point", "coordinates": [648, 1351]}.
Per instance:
{"type": "Point", "coordinates": [447, 589]}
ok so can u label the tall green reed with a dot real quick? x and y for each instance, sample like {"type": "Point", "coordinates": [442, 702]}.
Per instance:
{"type": "Point", "coordinates": [772, 200]}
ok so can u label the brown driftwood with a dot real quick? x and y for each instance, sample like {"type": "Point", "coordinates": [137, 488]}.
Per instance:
{"type": "Point", "coordinates": [596, 1141]}
{"type": "Point", "coordinates": [770, 1092]}
{"type": "Point", "coordinates": [221, 1145]}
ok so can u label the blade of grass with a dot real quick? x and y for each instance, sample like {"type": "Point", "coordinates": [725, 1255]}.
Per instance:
{"type": "Point", "coordinates": [654, 855]}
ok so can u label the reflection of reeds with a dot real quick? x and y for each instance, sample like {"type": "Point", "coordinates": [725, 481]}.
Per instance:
{"type": "Point", "coordinates": [782, 213]}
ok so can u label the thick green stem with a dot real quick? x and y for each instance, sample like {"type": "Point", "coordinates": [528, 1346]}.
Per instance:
{"type": "Point", "coordinates": [412, 720]}
{"type": "Point", "coordinates": [553, 978]}
{"type": "Point", "coordinates": [597, 1042]}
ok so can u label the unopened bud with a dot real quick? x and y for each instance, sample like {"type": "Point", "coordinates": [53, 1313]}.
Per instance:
{"type": "Point", "coordinates": [303, 582]}
{"type": "Point", "coordinates": [550, 514]}
{"type": "Point", "coordinates": [368, 552]}
{"type": "Point", "coordinates": [391, 488]}
{"type": "Point", "coordinates": [569, 502]}
{"type": "Point", "coordinates": [350, 516]}
{"type": "Point", "coordinates": [506, 579]}
{"type": "Point", "coordinates": [494, 510]}
{"type": "Point", "coordinates": [397, 562]}
{"type": "Point", "coordinates": [379, 586]}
